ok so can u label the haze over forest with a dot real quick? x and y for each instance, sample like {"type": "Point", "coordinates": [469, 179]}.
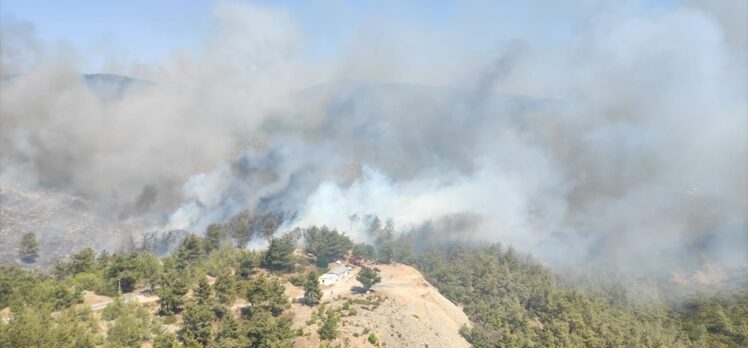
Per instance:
{"type": "Point", "coordinates": [607, 135]}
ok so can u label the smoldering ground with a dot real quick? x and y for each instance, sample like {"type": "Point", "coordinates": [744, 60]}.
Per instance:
{"type": "Point", "coordinates": [619, 140]}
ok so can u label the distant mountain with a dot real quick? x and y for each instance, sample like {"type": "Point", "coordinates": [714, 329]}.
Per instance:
{"type": "Point", "coordinates": [409, 92]}
{"type": "Point", "coordinates": [107, 86]}
{"type": "Point", "coordinates": [113, 86]}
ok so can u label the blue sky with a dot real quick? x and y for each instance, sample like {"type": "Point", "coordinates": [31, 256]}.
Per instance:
{"type": "Point", "coordinates": [142, 31]}
{"type": "Point", "coordinates": [138, 30]}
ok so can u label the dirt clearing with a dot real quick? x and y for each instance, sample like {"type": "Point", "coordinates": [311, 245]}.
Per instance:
{"type": "Point", "coordinates": [403, 311]}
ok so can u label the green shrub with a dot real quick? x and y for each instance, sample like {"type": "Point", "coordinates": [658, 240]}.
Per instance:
{"type": "Point", "coordinates": [322, 262]}
{"type": "Point", "coordinates": [91, 281]}
{"type": "Point", "coordinates": [297, 280]}
{"type": "Point", "coordinates": [373, 339]}
{"type": "Point", "coordinates": [165, 340]}
{"type": "Point", "coordinates": [114, 310]}
{"type": "Point", "coordinates": [130, 329]}
{"type": "Point", "coordinates": [329, 328]}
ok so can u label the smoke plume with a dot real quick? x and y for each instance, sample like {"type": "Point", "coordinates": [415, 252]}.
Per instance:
{"type": "Point", "coordinates": [616, 137]}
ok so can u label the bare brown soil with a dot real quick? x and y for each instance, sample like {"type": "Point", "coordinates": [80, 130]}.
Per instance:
{"type": "Point", "coordinates": [411, 313]}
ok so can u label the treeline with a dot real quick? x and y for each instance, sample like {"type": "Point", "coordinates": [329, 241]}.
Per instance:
{"type": "Point", "coordinates": [44, 309]}
{"type": "Point", "coordinates": [238, 230]}
{"type": "Point", "coordinates": [43, 312]}
{"type": "Point", "coordinates": [513, 301]}
{"type": "Point", "coordinates": [246, 226]}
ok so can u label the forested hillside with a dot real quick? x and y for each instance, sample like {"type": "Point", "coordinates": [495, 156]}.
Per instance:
{"type": "Point", "coordinates": [209, 293]}
{"type": "Point", "coordinates": [245, 305]}
{"type": "Point", "coordinates": [514, 301]}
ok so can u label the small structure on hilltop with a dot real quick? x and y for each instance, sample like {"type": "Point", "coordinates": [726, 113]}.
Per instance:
{"type": "Point", "coordinates": [327, 279]}
{"type": "Point", "coordinates": [334, 275]}
{"type": "Point", "coordinates": [340, 271]}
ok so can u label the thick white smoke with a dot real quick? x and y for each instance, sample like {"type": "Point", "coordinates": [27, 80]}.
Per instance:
{"type": "Point", "coordinates": [185, 116]}
{"type": "Point", "coordinates": [618, 135]}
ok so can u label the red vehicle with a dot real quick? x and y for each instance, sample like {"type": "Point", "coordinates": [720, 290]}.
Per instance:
{"type": "Point", "coordinates": [357, 261]}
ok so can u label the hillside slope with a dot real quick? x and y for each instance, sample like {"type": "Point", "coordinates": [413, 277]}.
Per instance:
{"type": "Point", "coordinates": [63, 223]}
{"type": "Point", "coordinates": [408, 312]}
{"type": "Point", "coordinates": [403, 311]}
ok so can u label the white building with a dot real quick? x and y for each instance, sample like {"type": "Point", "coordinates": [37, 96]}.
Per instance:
{"type": "Point", "coordinates": [340, 272]}
{"type": "Point", "coordinates": [334, 275]}
{"type": "Point", "coordinates": [328, 279]}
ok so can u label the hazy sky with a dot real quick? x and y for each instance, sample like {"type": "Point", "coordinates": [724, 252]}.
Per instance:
{"type": "Point", "coordinates": [104, 34]}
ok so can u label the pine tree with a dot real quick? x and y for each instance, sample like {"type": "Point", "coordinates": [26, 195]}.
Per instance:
{"type": "Point", "coordinates": [83, 261]}
{"type": "Point", "coordinates": [265, 294]}
{"type": "Point", "coordinates": [228, 330]}
{"type": "Point", "coordinates": [329, 328]}
{"type": "Point", "coordinates": [265, 331]}
{"type": "Point", "coordinates": [269, 228]}
{"type": "Point", "coordinates": [29, 248]}
{"type": "Point", "coordinates": [203, 292]}
{"type": "Point", "coordinates": [128, 330]}
{"type": "Point", "coordinates": [189, 251]}
{"type": "Point", "coordinates": [240, 227]}
{"type": "Point", "coordinates": [278, 256]}
{"type": "Point", "coordinates": [225, 288]}
{"type": "Point", "coordinates": [386, 252]}
{"type": "Point", "coordinates": [103, 259]}
{"type": "Point", "coordinates": [326, 244]}
{"type": "Point", "coordinates": [368, 278]}
{"type": "Point", "coordinates": [169, 302]}
{"type": "Point", "coordinates": [249, 261]}
{"type": "Point", "coordinates": [173, 288]}
{"type": "Point", "coordinates": [364, 251]}
{"type": "Point", "coordinates": [312, 291]}
{"type": "Point", "coordinates": [165, 340]}
{"type": "Point", "coordinates": [214, 235]}
{"type": "Point", "coordinates": [197, 324]}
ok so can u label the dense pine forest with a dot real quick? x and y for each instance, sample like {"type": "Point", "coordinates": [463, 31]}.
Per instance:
{"type": "Point", "coordinates": [511, 299]}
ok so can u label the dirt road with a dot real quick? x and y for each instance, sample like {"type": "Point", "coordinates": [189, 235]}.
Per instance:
{"type": "Point", "coordinates": [97, 302]}
{"type": "Point", "coordinates": [420, 314]}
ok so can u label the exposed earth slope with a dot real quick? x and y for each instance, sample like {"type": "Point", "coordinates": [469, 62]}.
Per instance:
{"type": "Point", "coordinates": [403, 311]}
